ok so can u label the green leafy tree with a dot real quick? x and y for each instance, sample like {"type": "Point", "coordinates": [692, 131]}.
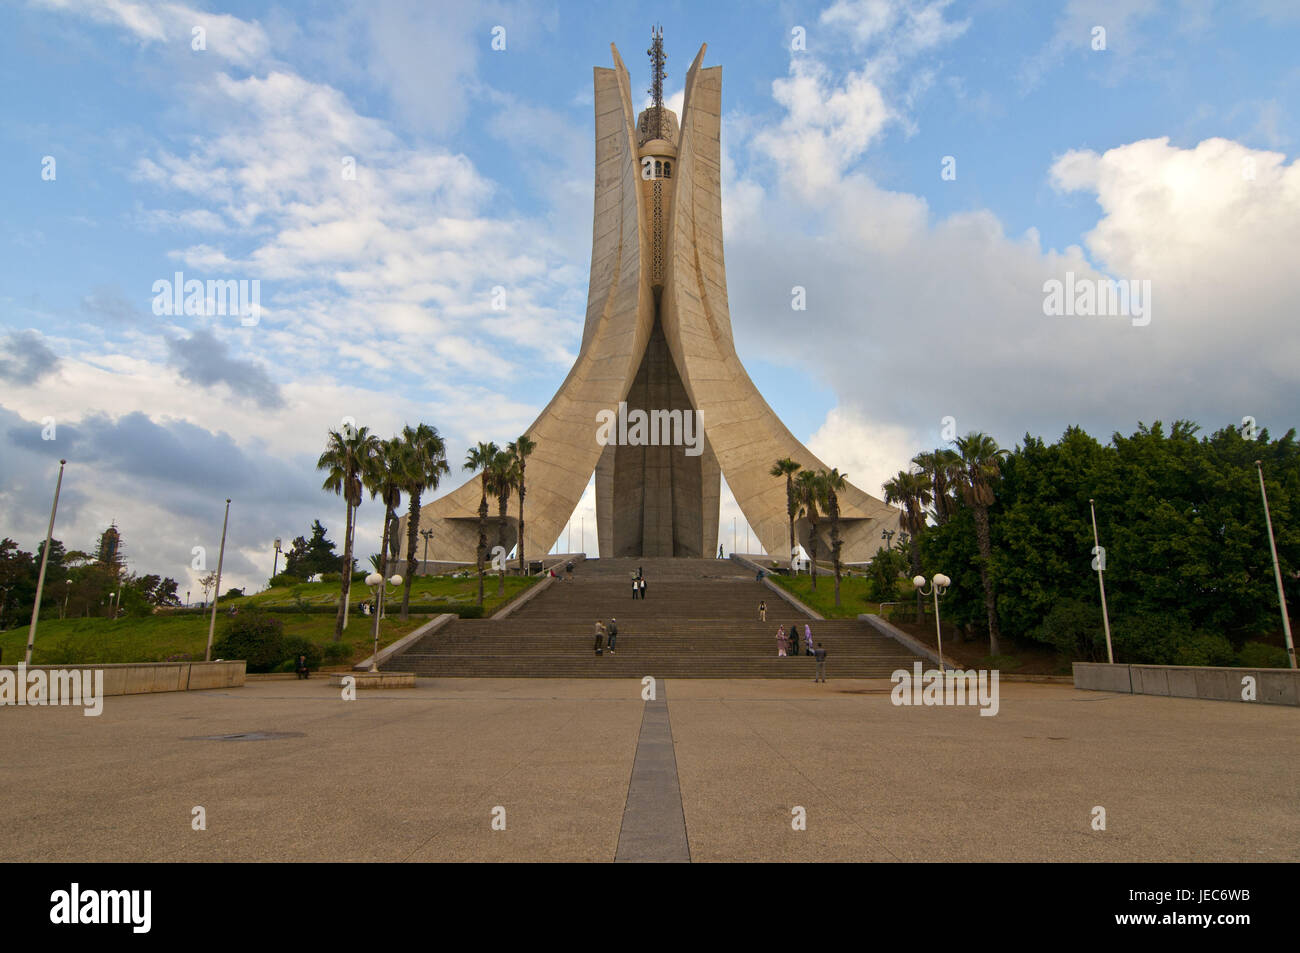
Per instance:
{"type": "Point", "coordinates": [833, 484]}
{"type": "Point", "coordinates": [810, 492]}
{"type": "Point", "coordinates": [424, 467]}
{"type": "Point", "coordinates": [384, 478]}
{"type": "Point", "coordinates": [981, 460]}
{"type": "Point", "coordinates": [911, 491]}
{"type": "Point", "coordinates": [787, 468]}
{"type": "Point", "coordinates": [501, 476]}
{"type": "Point", "coordinates": [479, 459]}
{"type": "Point", "coordinates": [347, 455]}
{"type": "Point", "coordinates": [521, 449]}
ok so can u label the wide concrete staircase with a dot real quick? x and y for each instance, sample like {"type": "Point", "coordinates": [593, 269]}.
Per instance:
{"type": "Point", "coordinates": [699, 620]}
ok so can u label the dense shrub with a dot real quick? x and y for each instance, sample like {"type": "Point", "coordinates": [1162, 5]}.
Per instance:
{"type": "Point", "coordinates": [1204, 648]}
{"type": "Point", "coordinates": [294, 645]}
{"type": "Point", "coordinates": [884, 572]}
{"type": "Point", "coordinates": [1261, 655]}
{"type": "Point", "coordinates": [284, 579]}
{"type": "Point", "coordinates": [255, 637]}
{"type": "Point", "coordinates": [1151, 639]}
{"type": "Point", "coordinates": [336, 653]}
{"type": "Point", "coordinates": [1075, 630]}
{"type": "Point", "coordinates": [331, 577]}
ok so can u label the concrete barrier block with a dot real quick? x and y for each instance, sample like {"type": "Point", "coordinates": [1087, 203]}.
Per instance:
{"type": "Point", "coordinates": [139, 680]}
{"type": "Point", "coordinates": [1150, 680]}
{"type": "Point", "coordinates": [114, 679]}
{"type": "Point", "coordinates": [1216, 684]}
{"type": "Point", "coordinates": [1102, 677]}
{"type": "Point", "coordinates": [1182, 682]}
{"type": "Point", "coordinates": [1279, 687]}
{"type": "Point", "coordinates": [167, 678]}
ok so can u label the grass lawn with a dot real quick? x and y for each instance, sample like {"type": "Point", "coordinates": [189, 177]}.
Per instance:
{"type": "Point", "coordinates": [158, 637]}
{"type": "Point", "coordinates": [426, 591]}
{"type": "Point", "coordinates": [853, 594]}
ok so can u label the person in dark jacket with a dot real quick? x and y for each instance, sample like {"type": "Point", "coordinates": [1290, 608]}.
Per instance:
{"type": "Point", "coordinates": [301, 667]}
{"type": "Point", "coordinates": [612, 629]}
{"type": "Point", "coordinates": [794, 639]}
{"type": "Point", "coordinates": [820, 655]}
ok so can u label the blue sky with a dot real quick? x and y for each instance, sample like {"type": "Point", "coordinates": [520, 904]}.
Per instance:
{"type": "Point", "coordinates": [475, 171]}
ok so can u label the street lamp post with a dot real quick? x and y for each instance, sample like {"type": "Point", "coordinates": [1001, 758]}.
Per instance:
{"type": "Point", "coordinates": [1100, 564]}
{"type": "Point", "coordinates": [276, 561]}
{"type": "Point", "coordinates": [938, 586]}
{"type": "Point", "coordinates": [45, 558]}
{"type": "Point", "coordinates": [216, 592]}
{"type": "Point", "coordinates": [428, 535]}
{"type": "Point", "coordinates": [1277, 570]}
{"type": "Point", "coordinates": [376, 583]}
{"type": "Point", "coordinates": [67, 592]}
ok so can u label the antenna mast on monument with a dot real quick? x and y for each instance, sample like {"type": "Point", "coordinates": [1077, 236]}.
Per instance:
{"type": "Point", "coordinates": [657, 74]}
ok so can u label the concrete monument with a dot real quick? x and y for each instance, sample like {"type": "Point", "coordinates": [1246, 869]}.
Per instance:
{"type": "Point", "coordinates": [657, 404]}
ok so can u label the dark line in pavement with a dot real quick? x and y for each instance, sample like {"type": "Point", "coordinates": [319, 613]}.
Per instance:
{"type": "Point", "coordinates": [654, 824]}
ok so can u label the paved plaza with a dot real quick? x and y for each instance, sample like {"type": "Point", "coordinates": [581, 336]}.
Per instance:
{"type": "Point", "coordinates": [416, 775]}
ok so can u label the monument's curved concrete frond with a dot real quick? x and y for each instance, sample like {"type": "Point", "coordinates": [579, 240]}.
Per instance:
{"type": "Point", "coordinates": [657, 404]}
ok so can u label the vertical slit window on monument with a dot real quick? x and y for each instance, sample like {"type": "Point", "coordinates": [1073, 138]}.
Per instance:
{"type": "Point", "coordinates": [668, 169]}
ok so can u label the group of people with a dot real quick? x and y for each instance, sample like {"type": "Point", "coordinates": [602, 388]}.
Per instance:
{"type": "Point", "coordinates": [638, 584]}
{"type": "Point", "coordinates": [787, 643]}
{"type": "Point", "coordinates": [606, 634]}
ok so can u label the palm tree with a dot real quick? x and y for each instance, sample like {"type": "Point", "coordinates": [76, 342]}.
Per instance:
{"type": "Point", "coordinates": [785, 467]}
{"type": "Point", "coordinates": [522, 449]}
{"type": "Point", "coordinates": [911, 490]}
{"type": "Point", "coordinates": [810, 492]}
{"type": "Point", "coordinates": [480, 459]}
{"type": "Point", "coordinates": [425, 466]}
{"type": "Point", "coordinates": [833, 484]}
{"type": "Point", "coordinates": [346, 455]}
{"type": "Point", "coordinates": [384, 479]}
{"type": "Point", "coordinates": [941, 466]}
{"type": "Point", "coordinates": [981, 461]}
{"type": "Point", "coordinates": [501, 476]}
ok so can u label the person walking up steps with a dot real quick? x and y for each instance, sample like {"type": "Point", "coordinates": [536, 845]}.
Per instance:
{"type": "Point", "coordinates": [613, 634]}
{"type": "Point", "coordinates": [762, 610]}
{"type": "Point", "coordinates": [636, 587]}
{"type": "Point", "coordinates": [643, 587]}
{"type": "Point", "coordinates": [807, 637]}
{"type": "Point", "coordinates": [781, 641]}
{"type": "Point", "coordinates": [600, 637]}
{"type": "Point", "coordinates": [820, 656]}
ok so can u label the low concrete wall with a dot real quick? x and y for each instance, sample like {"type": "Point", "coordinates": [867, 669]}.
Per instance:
{"type": "Point", "coordinates": [141, 678]}
{"type": "Point", "coordinates": [522, 599]}
{"type": "Point", "coordinates": [406, 641]}
{"type": "Point", "coordinates": [901, 637]}
{"type": "Point", "coordinates": [794, 600]}
{"type": "Point", "coordinates": [1273, 686]}
{"type": "Point", "coordinates": [374, 679]}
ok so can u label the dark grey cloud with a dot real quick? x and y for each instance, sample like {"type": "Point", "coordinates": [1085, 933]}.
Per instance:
{"type": "Point", "coordinates": [110, 304]}
{"type": "Point", "coordinates": [165, 484]}
{"type": "Point", "coordinates": [202, 359]}
{"type": "Point", "coordinates": [25, 358]}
